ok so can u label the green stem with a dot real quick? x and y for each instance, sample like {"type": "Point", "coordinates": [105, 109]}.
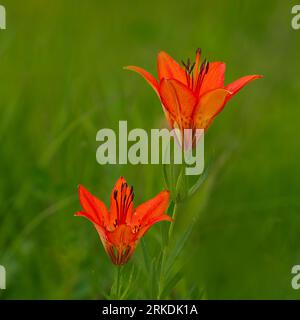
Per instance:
{"type": "Point", "coordinates": [172, 185]}
{"type": "Point", "coordinates": [163, 260]}
{"type": "Point", "coordinates": [118, 281]}
{"type": "Point", "coordinates": [162, 274]}
{"type": "Point", "coordinates": [173, 222]}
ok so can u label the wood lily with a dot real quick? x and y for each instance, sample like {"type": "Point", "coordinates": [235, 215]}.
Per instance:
{"type": "Point", "coordinates": [122, 226]}
{"type": "Point", "coordinates": [192, 95]}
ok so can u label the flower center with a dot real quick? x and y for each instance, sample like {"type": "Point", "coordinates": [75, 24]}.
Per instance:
{"type": "Point", "coordinates": [123, 199]}
{"type": "Point", "coordinates": [195, 72]}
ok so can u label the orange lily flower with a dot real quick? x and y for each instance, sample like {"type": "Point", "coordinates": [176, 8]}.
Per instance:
{"type": "Point", "coordinates": [121, 228]}
{"type": "Point", "coordinates": [194, 94]}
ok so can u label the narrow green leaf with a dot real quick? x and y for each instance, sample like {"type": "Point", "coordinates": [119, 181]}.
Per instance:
{"type": "Point", "coordinates": [181, 185]}
{"type": "Point", "coordinates": [165, 174]}
{"type": "Point", "coordinates": [178, 247]}
{"type": "Point", "coordinates": [171, 283]}
{"type": "Point", "coordinates": [198, 183]}
{"type": "Point", "coordinates": [128, 287]}
{"type": "Point", "coordinates": [153, 278]}
{"type": "Point", "coordinates": [146, 255]}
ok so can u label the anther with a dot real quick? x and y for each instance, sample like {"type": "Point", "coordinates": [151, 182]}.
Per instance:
{"type": "Point", "coordinates": [115, 194]}
{"type": "Point", "coordinates": [192, 67]}
{"type": "Point", "coordinates": [207, 67]}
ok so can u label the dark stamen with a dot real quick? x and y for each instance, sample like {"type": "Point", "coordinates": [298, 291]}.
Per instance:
{"type": "Point", "coordinates": [129, 199]}
{"type": "Point", "coordinates": [184, 64]}
{"type": "Point", "coordinates": [195, 83]}
{"type": "Point", "coordinates": [192, 67]}
{"type": "Point", "coordinates": [188, 66]}
{"type": "Point", "coordinates": [115, 194]}
{"type": "Point", "coordinates": [122, 202]}
{"type": "Point", "coordinates": [117, 204]}
{"type": "Point", "coordinates": [207, 67]}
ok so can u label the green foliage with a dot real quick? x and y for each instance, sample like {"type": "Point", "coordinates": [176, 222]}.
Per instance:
{"type": "Point", "coordinates": [62, 80]}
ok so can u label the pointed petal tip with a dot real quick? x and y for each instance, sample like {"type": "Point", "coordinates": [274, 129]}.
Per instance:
{"type": "Point", "coordinates": [168, 218]}
{"type": "Point", "coordinates": [167, 192]}
{"type": "Point", "coordinates": [257, 76]}
{"type": "Point", "coordinates": [82, 190]}
{"type": "Point", "coordinates": [164, 194]}
{"type": "Point", "coordinates": [163, 55]}
{"type": "Point", "coordinates": [79, 214]}
{"type": "Point", "coordinates": [161, 52]}
{"type": "Point", "coordinates": [131, 68]}
{"type": "Point", "coordinates": [118, 185]}
{"type": "Point", "coordinates": [237, 85]}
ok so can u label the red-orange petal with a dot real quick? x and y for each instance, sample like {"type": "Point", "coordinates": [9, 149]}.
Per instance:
{"type": "Point", "coordinates": [147, 76]}
{"type": "Point", "coordinates": [121, 236]}
{"type": "Point", "coordinates": [151, 210]}
{"type": "Point", "coordinates": [170, 118]}
{"type": "Point", "coordinates": [168, 68]}
{"type": "Point", "coordinates": [237, 85]}
{"type": "Point", "coordinates": [179, 101]}
{"type": "Point", "coordinates": [214, 79]}
{"type": "Point", "coordinates": [151, 222]}
{"type": "Point", "coordinates": [120, 244]}
{"type": "Point", "coordinates": [94, 209]}
{"type": "Point", "coordinates": [209, 106]}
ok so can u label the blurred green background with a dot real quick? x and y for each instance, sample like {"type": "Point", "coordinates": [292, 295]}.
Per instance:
{"type": "Point", "coordinates": [62, 80]}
